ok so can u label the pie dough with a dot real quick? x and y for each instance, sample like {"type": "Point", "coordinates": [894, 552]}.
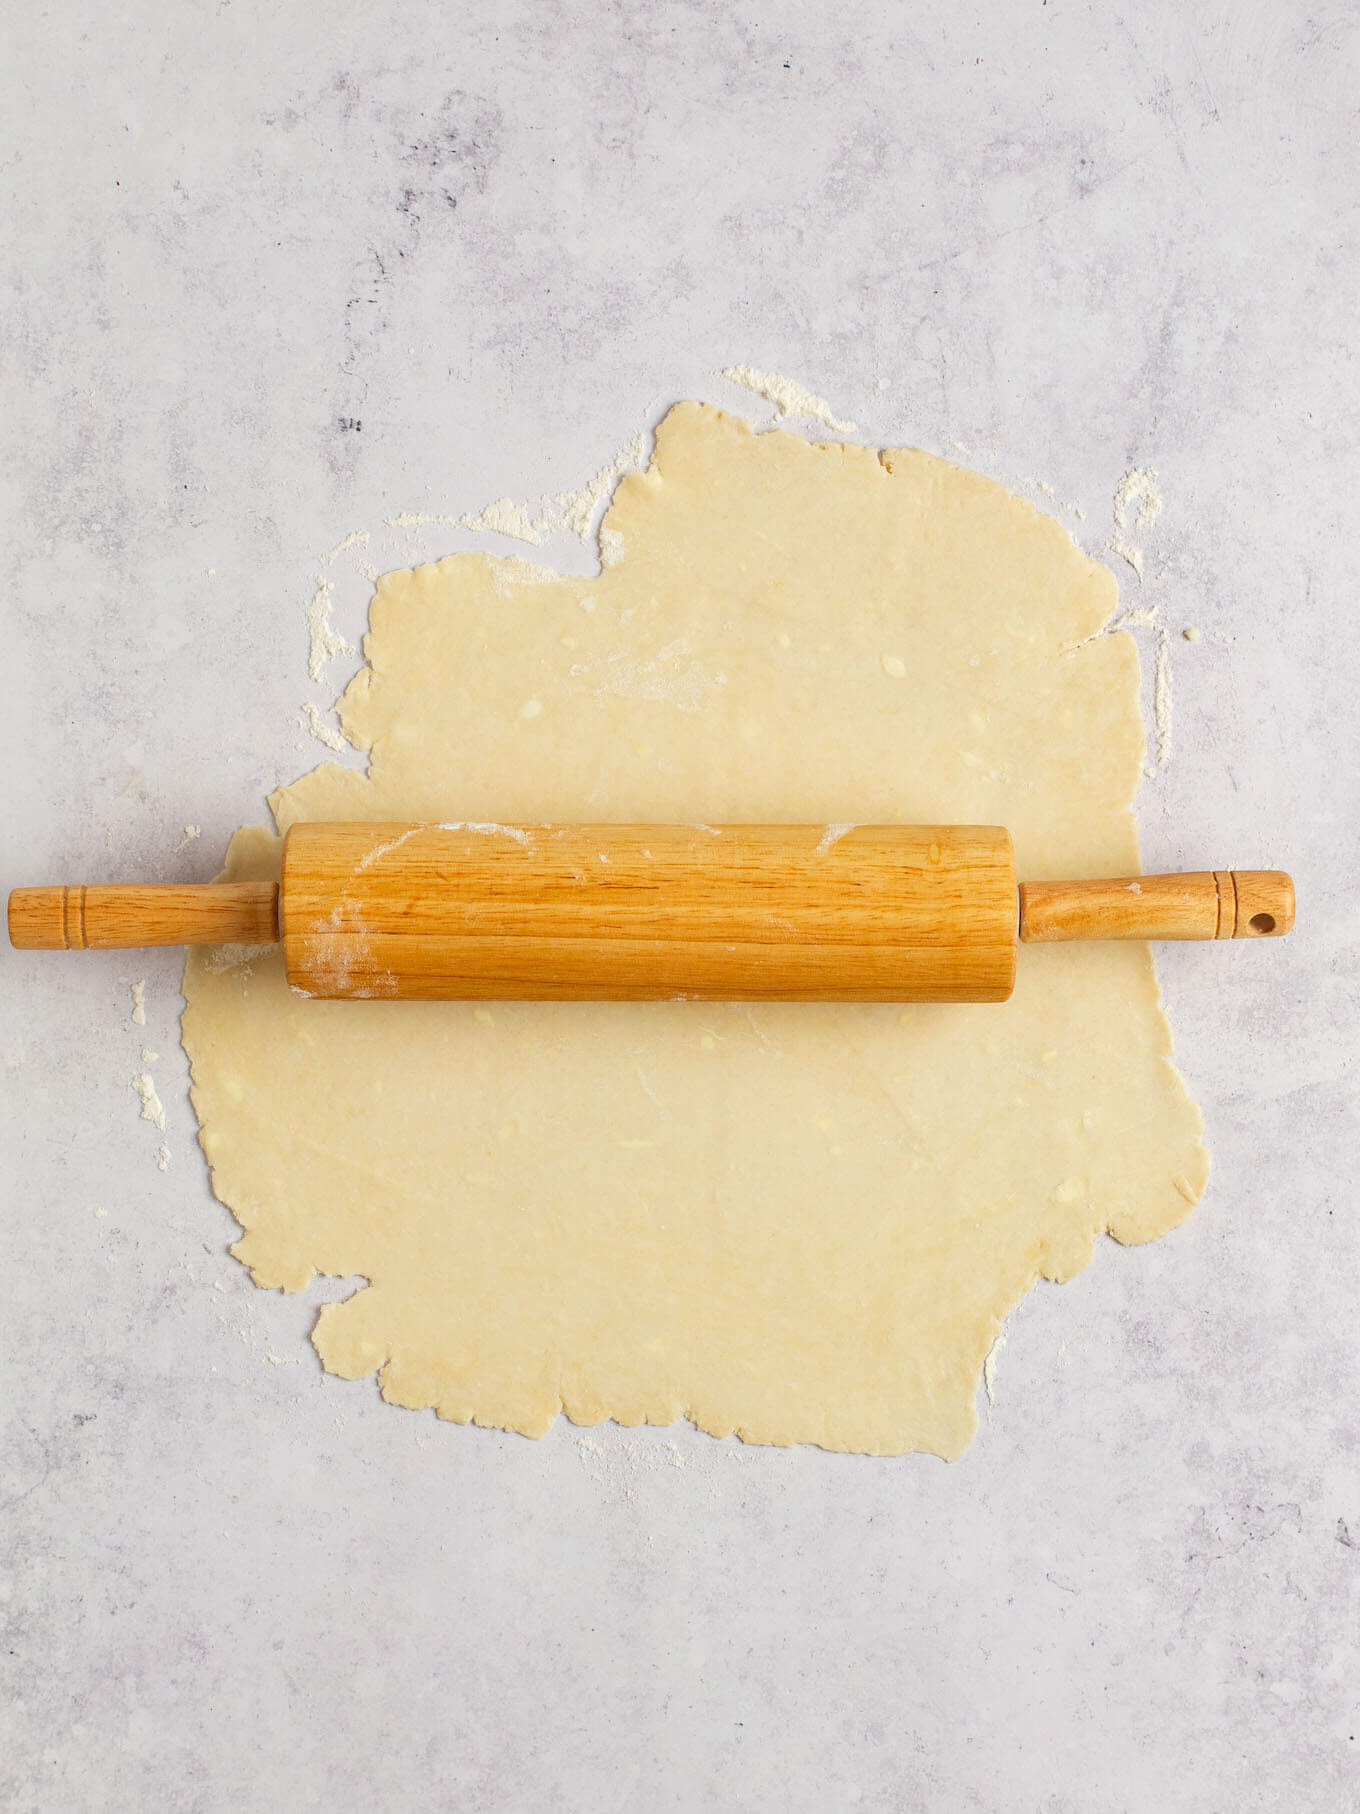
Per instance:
{"type": "Point", "coordinates": [798, 1223]}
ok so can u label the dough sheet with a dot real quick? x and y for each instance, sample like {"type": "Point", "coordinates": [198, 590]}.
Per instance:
{"type": "Point", "coordinates": [798, 1223]}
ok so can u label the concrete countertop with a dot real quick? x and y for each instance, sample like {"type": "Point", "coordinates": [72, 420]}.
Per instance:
{"type": "Point", "coordinates": [276, 274]}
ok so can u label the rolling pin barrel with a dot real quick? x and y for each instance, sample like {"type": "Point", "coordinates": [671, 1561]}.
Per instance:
{"type": "Point", "coordinates": [650, 912]}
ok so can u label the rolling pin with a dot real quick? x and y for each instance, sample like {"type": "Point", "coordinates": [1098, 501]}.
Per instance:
{"type": "Point", "coordinates": [652, 912]}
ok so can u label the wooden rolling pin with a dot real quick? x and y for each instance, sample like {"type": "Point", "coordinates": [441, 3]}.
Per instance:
{"type": "Point", "coordinates": [653, 912]}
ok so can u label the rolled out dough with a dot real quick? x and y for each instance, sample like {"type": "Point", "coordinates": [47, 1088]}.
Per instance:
{"type": "Point", "coordinates": [802, 1224]}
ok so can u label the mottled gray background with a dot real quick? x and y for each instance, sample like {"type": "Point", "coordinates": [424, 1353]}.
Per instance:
{"type": "Point", "coordinates": [1069, 237]}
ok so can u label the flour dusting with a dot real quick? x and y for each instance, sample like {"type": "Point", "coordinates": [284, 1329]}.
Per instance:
{"type": "Point", "coordinates": [674, 675]}
{"type": "Point", "coordinates": [373, 856]}
{"type": "Point", "coordinates": [789, 397]}
{"type": "Point", "coordinates": [153, 1109]}
{"type": "Point", "coordinates": [989, 1366]}
{"type": "Point", "coordinates": [357, 538]}
{"type": "Point", "coordinates": [1137, 505]}
{"type": "Point", "coordinates": [324, 733]}
{"type": "Point", "coordinates": [511, 571]}
{"type": "Point", "coordinates": [1161, 696]}
{"type": "Point", "coordinates": [505, 517]}
{"type": "Point", "coordinates": [324, 641]}
{"type": "Point", "coordinates": [488, 829]}
{"type": "Point", "coordinates": [574, 511]}
{"type": "Point", "coordinates": [619, 1465]}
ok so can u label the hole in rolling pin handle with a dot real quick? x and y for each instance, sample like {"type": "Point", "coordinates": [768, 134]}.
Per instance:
{"type": "Point", "coordinates": [1262, 922]}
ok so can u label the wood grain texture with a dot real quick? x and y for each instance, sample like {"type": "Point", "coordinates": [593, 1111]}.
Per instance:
{"type": "Point", "coordinates": [104, 917]}
{"type": "Point", "coordinates": [1202, 904]}
{"type": "Point", "coordinates": [648, 912]}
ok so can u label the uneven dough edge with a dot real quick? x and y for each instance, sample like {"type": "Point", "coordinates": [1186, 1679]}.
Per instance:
{"type": "Point", "coordinates": [478, 590]}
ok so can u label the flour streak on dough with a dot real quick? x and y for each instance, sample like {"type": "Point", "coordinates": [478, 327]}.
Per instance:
{"type": "Point", "coordinates": [798, 1224]}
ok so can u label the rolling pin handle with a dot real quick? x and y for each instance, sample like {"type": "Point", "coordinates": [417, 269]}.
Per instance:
{"type": "Point", "coordinates": [1207, 904]}
{"type": "Point", "coordinates": [47, 919]}
{"type": "Point", "coordinates": [121, 917]}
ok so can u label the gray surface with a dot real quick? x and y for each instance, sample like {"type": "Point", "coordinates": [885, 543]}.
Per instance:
{"type": "Point", "coordinates": [1072, 238]}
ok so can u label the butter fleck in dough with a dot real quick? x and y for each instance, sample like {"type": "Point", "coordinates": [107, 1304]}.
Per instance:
{"type": "Point", "coordinates": [798, 1223]}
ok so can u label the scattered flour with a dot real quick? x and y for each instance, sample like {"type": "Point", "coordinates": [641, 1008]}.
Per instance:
{"type": "Point", "coordinates": [153, 1110]}
{"type": "Point", "coordinates": [574, 511]}
{"type": "Point", "coordinates": [139, 1003]}
{"type": "Point", "coordinates": [788, 397]}
{"type": "Point", "coordinates": [1149, 618]}
{"type": "Point", "coordinates": [357, 538]}
{"type": "Point", "coordinates": [311, 718]}
{"type": "Point", "coordinates": [534, 521]}
{"type": "Point", "coordinates": [989, 1366]}
{"type": "Point", "coordinates": [1050, 492]}
{"type": "Point", "coordinates": [324, 640]}
{"type": "Point", "coordinates": [619, 1464]}
{"type": "Point", "coordinates": [1161, 696]}
{"type": "Point", "coordinates": [191, 834]}
{"type": "Point", "coordinates": [505, 517]}
{"type": "Point", "coordinates": [162, 1157]}
{"type": "Point", "coordinates": [1137, 505]}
